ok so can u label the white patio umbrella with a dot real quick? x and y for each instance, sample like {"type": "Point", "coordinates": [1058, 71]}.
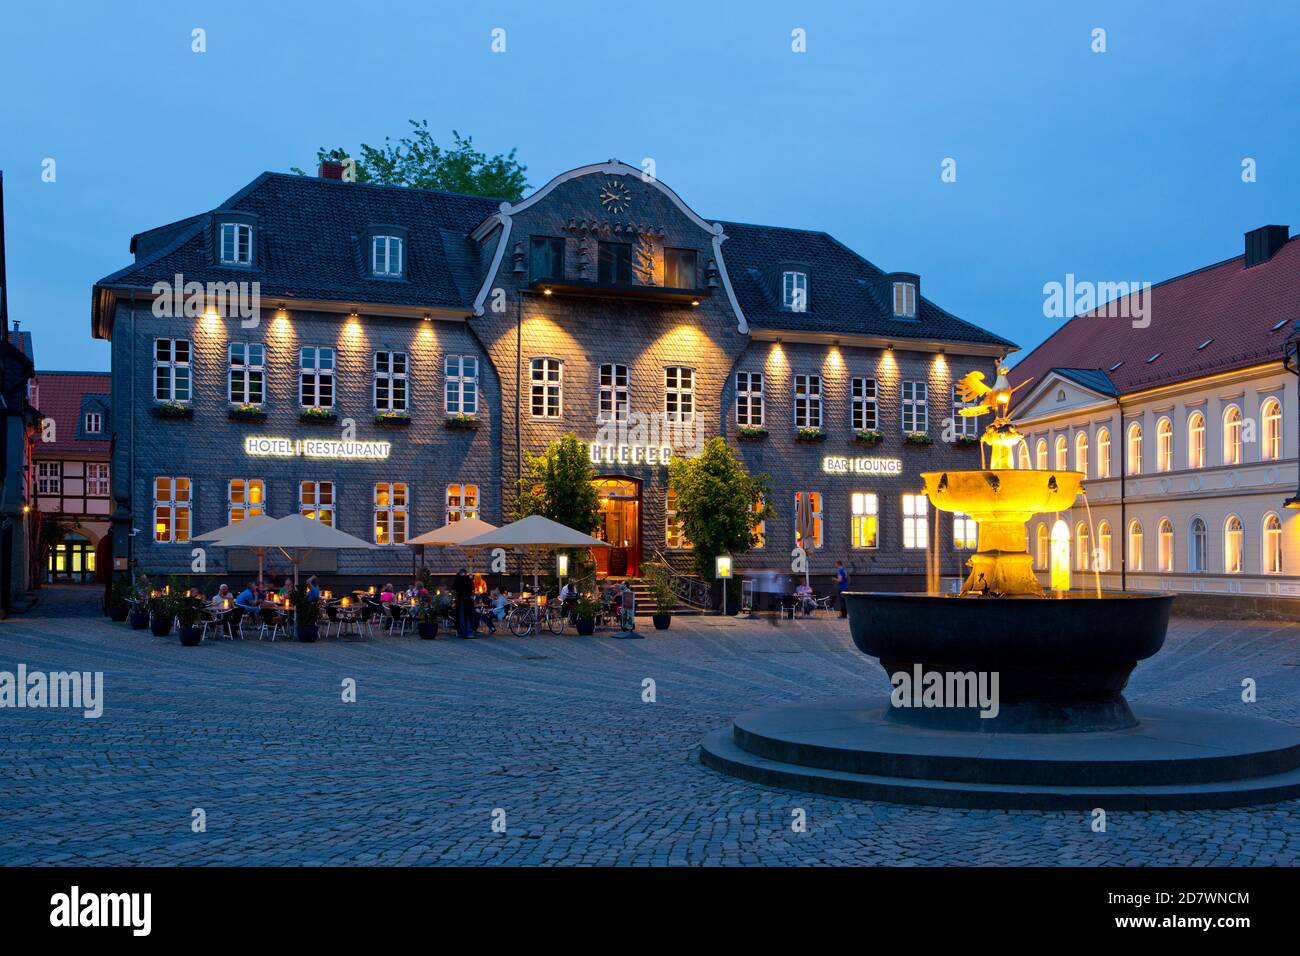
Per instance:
{"type": "Point", "coordinates": [534, 533]}
{"type": "Point", "coordinates": [216, 537]}
{"type": "Point", "coordinates": [454, 534]}
{"type": "Point", "coordinates": [294, 536]}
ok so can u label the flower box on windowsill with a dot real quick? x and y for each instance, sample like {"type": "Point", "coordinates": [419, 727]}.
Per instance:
{"type": "Point", "coordinates": [810, 434]}
{"type": "Point", "coordinates": [172, 410]}
{"type": "Point", "coordinates": [750, 433]}
{"type": "Point", "coordinates": [918, 438]}
{"type": "Point", "coordinates": [467, 423]}
{"type": "Point", "coordinates": [868, 437]}
{"type": "Point", "coordinates": [247, 413]}
{"type": "Point", "coordinates": [968, 440]}
{"type": "Point", "coordinates": [392, 419]}
{"type": "Point", "coordinates": [318, 416]}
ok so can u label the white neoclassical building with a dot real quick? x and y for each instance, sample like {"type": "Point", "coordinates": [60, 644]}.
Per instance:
{"type": "Point", "coordinates": [1185, 426]}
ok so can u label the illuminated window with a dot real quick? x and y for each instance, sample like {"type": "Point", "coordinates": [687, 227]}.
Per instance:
{"type": "Point", "coordinates": [1135, 449]}
{"type": "Point", "coordinates": [674, 532]}
{"type": "Point", "coordinates": [1040, 454]}
{"type": "Point", "coordinates": [246, 498]}
{"type": "Point", "coordinates": [794, 291]}
{"type": "Point", "coordinates": [545, 258]}
{"type": "Point", "coordinates": [679, 394]}
{"type": "Point", "coordinates": [1232, 435]}
{"type": "Point", "coordinates": [1081, 555]}
{"type": "Point", "coordinates": [316, 378]}
{"type": "Point", "coordinates": [1271, 416]}
{"type": "Point", "coordinates": [1198, 554]}
{"type": "Point", "coordinates": [1062, 449]}
{"type": "Point", "coordinates": [171, 370]}
{"type": "Point", "coordinates": [1165, 545]}
{"type": "Point", "coordinates": [915, 521]}
{"type": "Point", "coordinates": [390, 381]}
{"type": "Point", "coordinates": [236, 244]}
{"type": "Point", "coordinates": [390, 512]}
{"type": "Point", "coordinates": [965, 532]}
{"type": "Point", "coordinates": [1042, 542]}
{"type": "Point", "coordinates": [916, 414]}
{"type": "Point", "coordinates": [964, 424]}
{"type": "Point", "coordinates": [316, 500]}
{"type": "Point", "coordinates": [814, 500]}
{"type": "Point", "coordinates": [1103, 452]}
{"type": "Point", "coordinates": [864, 409]}
{"type": "Point", "coordinates": [1196, 441]}
{"type": "Point", "coordinates": [1025, 463]}
{"type": "Point", "coordinates": [246, 374]}
{"type": "Point", "coordinates": [1081, 453]}
{"type": "Point", "coordinates": [386, 256]}
{"type": "Point", "coordinates": [1164, 445]}
{"type": "Point", "coordinates": [171, 510]}
{"type": "Point", "coordinates": [97, 479]}
{"type": "Point", "coordinates": [1272, 544]}
{"type": "Point", "coordinates": [1233, 541]}
{"type": "Point", "coordinates": [613, 393]}
{"type": "Point", "coordinates": [1135, 546]}
{"type": "Point", "coordinates": [759, 531]}
{"type": "Point", "coordinates": [905, 300]}
{"type": "Point", "coordinates": [93, 424]}
{"type": "Point", "coordinates": [49, 477]}
{"type": "Point", "coordinates": [460, 394]}
{"type": "Point", "coordinates": [1102, 556]}
{"type": "Point", "coordinates": [749, 399]}
{"type": "Point", "coordinates": [679, 268]}
{"type": "Point", "coordinates": [462, 502]}
{"type": "Point", "coordinates": [807, 401]}
{"type": "Point", "coordinates": [547, 378]}
{"type": "Point", "coordinates": [864, 518]}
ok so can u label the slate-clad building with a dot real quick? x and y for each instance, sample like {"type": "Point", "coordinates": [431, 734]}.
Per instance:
{"type": "Point", "coordinates": [409, 348]}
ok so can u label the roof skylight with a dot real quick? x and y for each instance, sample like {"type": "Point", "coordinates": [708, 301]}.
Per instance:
{"type": "Point", "coordinates": [1116, 365]}
{"type": "Point", "coordinates": [1154, 357]}
{"type": "Point", "coordinates": [1204, 344]}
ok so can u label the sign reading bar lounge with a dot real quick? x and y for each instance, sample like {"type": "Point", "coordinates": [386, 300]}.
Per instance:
{"type": "Point", "coordinates": [843, 465]}
{"type": "Point", "coordinates": [317, 448]}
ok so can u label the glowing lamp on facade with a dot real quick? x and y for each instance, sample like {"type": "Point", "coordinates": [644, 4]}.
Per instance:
{"type": "Point", "coordinates": [562, 565]}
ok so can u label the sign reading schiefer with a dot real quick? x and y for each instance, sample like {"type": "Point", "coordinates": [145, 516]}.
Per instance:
{"type": "Point", "coordinates": [843, 465]}
{"type": "Point", "coordinates": [317, 448]}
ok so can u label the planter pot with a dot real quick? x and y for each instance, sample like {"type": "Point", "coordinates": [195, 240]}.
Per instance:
{"type": "Point", "coordinates": [307, 633]}
{"type": "Point", "coordinates": [661, 621]}
{"type": "Point", "coordinates": [161, 626]}
{"type": "Point", "coordinates": [236, 415]}
{"type": "Point", "coordinates": [392, 422]}
{"type": "Point", "coordinates": [586, 626]}
{"type": "Point", "coordinates": [118, 613]}
{"type": "Point", "coordinates": [428, 630]}
{"type": "Point", "coordinates": [751, 435]}
{"type": "Point", "coordinates": [190, 636]}
{"type": "Point", "coordinates": [463, 424]}
{"type": "Point", "coordinates": [174, 412]}
{"type": "Point", "coordinates": [318, 419]}
{"type": "Point", "coordinates": [139, 620]}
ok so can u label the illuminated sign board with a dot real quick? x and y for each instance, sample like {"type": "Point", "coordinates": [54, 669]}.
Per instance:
{"type": "Point", "coordinates": [328, 449]}
{"type": "Point", "coordinates": [626, 454]}
{"type": "Point", "coordinates": [843, 465]}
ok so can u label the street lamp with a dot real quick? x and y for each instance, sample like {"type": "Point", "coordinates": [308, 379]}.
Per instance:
{"type": "Point", "coordinates": [722, 570]}
{"type": "Point", "coordinates": [1291, 359]}
{"type": "Point", "coordinates": [561, 565]}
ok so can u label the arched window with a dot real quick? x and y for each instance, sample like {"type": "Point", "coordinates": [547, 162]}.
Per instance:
{"type": "Point", "coordinates": [1040, 455]}
{"type": "Point", "coordinates": [1134, 453]}
{"type": "Point", "coordinates": [1024, 456]}
{"type": "Point", "coordinates": [1272, 544]}
{"type": "Point", "coordinates": [1103, 452]}
{"type": "Point", "coordinates": [1081, 546]}
{"type": "Point", "coordinates": [1041, 545]}
{"type": "Point", "coordinates": [1164, 445]}
{"type": "Point", "coordinates": [1196, 441]}
{"type": "Point", "coordinates": [1165, 545]}
{"type": "Point", "coordinates": [1102, 557]}
{"type": "Point", "coordinates": [1081, 453]}
{"type": "Point", "coordinates": [1062, 453]}
{"type": "Point", "coordinates": [1271, 416]}
{"type": "Point", "coordinates": [1135, 545]}
{"type": "Point", "coordinates": [1198, 546]}
{"type": "Point", "coordinates": [1232, 435]}
{"type": "Point", "coordinates": [1232, 545]}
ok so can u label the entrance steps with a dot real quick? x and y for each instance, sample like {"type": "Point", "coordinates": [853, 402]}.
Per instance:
{"type": "Point", "coordinates": [645, 604]}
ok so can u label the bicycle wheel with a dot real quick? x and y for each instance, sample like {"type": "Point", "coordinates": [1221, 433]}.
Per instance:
{"type": "Point", "coordinates": [555, 621]}
{"type": "Point", "coordinates": [521, 622]}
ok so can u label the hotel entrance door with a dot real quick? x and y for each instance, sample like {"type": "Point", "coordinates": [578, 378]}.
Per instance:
{"type": "Point", "coordinates": [620, 525]}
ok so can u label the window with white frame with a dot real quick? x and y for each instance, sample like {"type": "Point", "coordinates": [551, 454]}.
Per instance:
{"type": "Point", "coordinates": [171, 370]}
{"type": "Point", "coordinates": [915, 521]}
{"type": "Point", "coordinates": [1103, 452]}
{"type": "Point", "coordinates": [246, 497]}
{"type": "Point", "coordinates": [460, 392]}
{"type": "Point", "coordinates": [93, 423]}
{"type": "Point", "coordinates": [613, 399]}
{"type": "Point", "coordinates": [807, 401]}
{"type": "Point", "coordinates": [1164, 445]}
{"type": "Point", "coordinates": [236, 244]}
{"type": "Point", "coordinates": [905, 300]}
{"type": "Point", "coordinates": [1233, 545]}
{"type": "Point", "coordinates": [316, 378]}
{"type": "Point", "coordinates": [679, 394]}
{"type": "Point", "coordinates": [1198, 546]}
{"type": "Point", "coordinates": [965, 532]}
{"type": "Point", "coordinates": [1135, 545]}
{"type": "Point", "coordinates": [749, 399]}
{"type": "Point", "coordinates": [390, 388]}
{"type": "Point", "coordinates": [1023, 457]}
{"type": "Point", "coordinates": [1042, 543]}
{"type": "Point", "coordinates": [814, 500]}
{"type": "Point", "coordinates": [49, 477]}
{"type": "Point", "coordinates": [171, 510]}
{"type": "Point", "coordinates": [386, 255]}
{"type": "Point", "coordinates": [97, 479]}
{"type": "Point", "coordinates": [316, 501]}
{"type": "Point", "coordinates": [963, 424]}
{"type": "Point", "coordinates": [462, 502]}
{"type": "Point", "coordinates": [674, 531]}
{"type": "Point", "coordinates": [547, 381]}
{"type": "Point", "coordinates": [1232, 435]}
{"type": "Point", "coordinates": [1081, 555]}
{"type": "Point", "coordinates": [1165, 545]}
{"type": "Point", "coordinates": [863, 407]}
{"type": "Point", "coordinates": [1081, 453]}
{"type": "Point", "coordinates": [1271, 418]}
{"type": "Point", "coordinates": [390, 512]}
{"type": "Point", "coordinates": [864, 519]}
{"type": "Point", "coordinates": [1272, 544]}
{"type": "Point", "coordinates": [246, 374]}
{"type": "Point", "coordinates": [1062, 448]}
{"type": "Point", "coordinates": [794, 291]}
{"type": "Point", "coordinates": [1040, 454]}
{"type": "Point", "coordinates": [1134, 451]}
{"type": "Point", "coordinates": [916, 413]}
{"type": "Point", "coordinates": [1196, 440]}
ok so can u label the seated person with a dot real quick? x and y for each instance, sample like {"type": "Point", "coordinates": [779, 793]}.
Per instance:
{"type": "Point", "coordinates": [386, 595]}
{"type": "Point", "coordinates": [313, 589]}
{"type": "Point", "coordinates": [804, 598]}
{"type": "Point", "coordinates": [222, 599]}
{"type": "Point", "coordinates": [249, 598]}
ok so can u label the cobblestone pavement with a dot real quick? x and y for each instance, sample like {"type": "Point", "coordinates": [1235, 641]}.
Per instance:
{"type": "Point", "coordinates": [553, 731]}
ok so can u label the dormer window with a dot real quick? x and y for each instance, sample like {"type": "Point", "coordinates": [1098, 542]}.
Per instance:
{"type": "Point", "coordinates": [236, 244]}
{"type": "Point", "coordinates": [904, 300]}
{"type": "Point", "coordinates": [794, 291]}
{"type": "Point", "coordinates": [94, 423]}
{"type": "Point", "coordinates": [386, 256]}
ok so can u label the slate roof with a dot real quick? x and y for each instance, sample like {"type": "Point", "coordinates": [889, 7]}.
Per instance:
{"type": "Point", "coordinates": [66, 397]}
{"type": "Point", "coordinates": [1243, 314]}
{"type": "Point", "coordinates": [1093, 378]}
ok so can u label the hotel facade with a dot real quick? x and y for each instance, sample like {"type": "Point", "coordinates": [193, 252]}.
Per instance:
{"type": "Point", "coordinates": [1185, 429]}
{"type": "Point", "coordinates": [406, 350]}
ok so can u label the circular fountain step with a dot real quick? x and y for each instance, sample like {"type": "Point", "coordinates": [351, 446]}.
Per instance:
{"type": "Point", "coordinates": [1173, 759]}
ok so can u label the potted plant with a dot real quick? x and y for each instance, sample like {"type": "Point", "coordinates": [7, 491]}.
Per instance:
{"type": "Point", "coordinates": [306, 613]}
{"type": "Point", "coordinates": [317, 415]}
{"type": "Point", "coordinates": [247, 413]}
{"type": "Point", "coordinates": [810, 434]}
{"type": "Point", "coordinates": [661, 592]}
{"type": "Point", "coordinates": [968, 439]}
{"type": "Point", "coordinates": [584, 612]}
{"type": "Point", "coordinates": [139, 616]}
{"type": "Point", "coordinates": [429, 615]}
{"type": "Point", "coordinates": [392, 419]}
{"type": "Point", "coordinates": [751, 433]}
{"type": "Point", "coordinates": [867, 436]}
{"type": "Point", "coordinates": [918, 438]}
{"type": "Point", "coordinates": [189, 608]}
{"type": "Point", "coordinates": [119, 595]}
{"type": "Point", "coordinates": [162, 611]}
{"type": "Point", "coordinates": [172, 410]}
{"type": "Point", "coordinates": [462, 422]}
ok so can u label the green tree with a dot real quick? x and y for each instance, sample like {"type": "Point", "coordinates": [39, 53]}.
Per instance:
{"type": "Point", "coordinates": [557, 485]}
{"type": "Point", "coordinates": [715, 498]}
{"type": "Point", "coordinates": [416, 160]}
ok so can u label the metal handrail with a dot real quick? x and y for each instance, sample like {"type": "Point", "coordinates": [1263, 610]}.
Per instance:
{"type": "Point", "coordinates": [689, 589]}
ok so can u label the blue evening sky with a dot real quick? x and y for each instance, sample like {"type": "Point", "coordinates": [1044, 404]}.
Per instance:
{"type": "Point", "coordinates": [1124, 165]}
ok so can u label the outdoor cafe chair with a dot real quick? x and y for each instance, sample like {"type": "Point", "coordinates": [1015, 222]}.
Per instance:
{"type": "Point", "coordinates": [272, 621]}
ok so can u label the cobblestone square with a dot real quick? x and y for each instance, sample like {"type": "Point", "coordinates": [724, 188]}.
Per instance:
{"type": "Point", "coordinates": [551, 730]}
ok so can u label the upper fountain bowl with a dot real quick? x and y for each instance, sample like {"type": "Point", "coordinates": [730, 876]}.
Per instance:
{"type": "Point", "coordinates": [1004, 494]}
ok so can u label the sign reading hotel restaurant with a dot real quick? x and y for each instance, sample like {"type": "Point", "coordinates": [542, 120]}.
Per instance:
{"type": "Point", "coordinates": [316, 448]}
{"type": "Point", "coordinates": [624, 454]}
{"type": "Point", "coordinates": [843, 465]}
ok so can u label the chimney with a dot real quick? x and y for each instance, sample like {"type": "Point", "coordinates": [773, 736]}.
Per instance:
{"type": "Point", "coordinates": [1261, 243]}
{"type": "Point", "coordinates": [330, 169]}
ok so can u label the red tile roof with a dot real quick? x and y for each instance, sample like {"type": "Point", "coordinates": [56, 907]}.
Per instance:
{"type": "Point", "coordinates": [59, 396]}
{"type": "Point", "coordinates": [1236, 309]}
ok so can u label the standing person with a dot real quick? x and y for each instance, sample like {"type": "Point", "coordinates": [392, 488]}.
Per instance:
{"type": "Point", "coordinates": [841, 585]}
{"type": "Point", "coordinates": [462, 587]}
{"type": "Point", "coordinates": [627, 607]}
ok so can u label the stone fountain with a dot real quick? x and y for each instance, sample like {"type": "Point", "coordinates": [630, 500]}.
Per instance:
{"type": "Point", "coordinates": [1004, 694]}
